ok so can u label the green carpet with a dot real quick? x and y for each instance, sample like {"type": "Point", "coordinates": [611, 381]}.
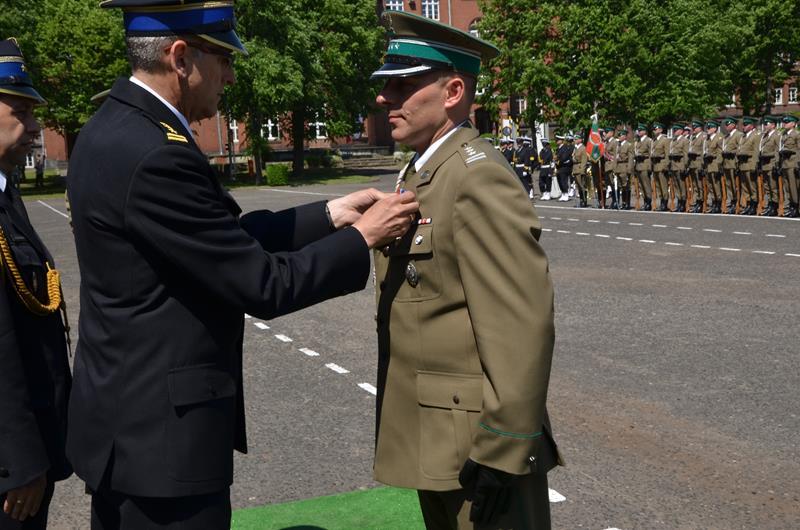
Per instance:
{"type": "Point", "coordinates": [375, 509]}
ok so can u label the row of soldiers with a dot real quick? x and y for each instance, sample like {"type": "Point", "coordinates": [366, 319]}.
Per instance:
{"type": "Point", "coordinates": [700, 167]}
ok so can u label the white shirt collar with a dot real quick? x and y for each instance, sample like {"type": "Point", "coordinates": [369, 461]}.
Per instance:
{"type": "Point", "coordinates": [166, 103]}
{"type": "Point", "coordinates": [3, 181]}
{"type": "Point", "coordinates": [420, 161]}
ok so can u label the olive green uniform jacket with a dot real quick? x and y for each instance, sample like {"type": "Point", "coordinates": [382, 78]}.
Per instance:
{"type": "Point", "coordinates": [612, 152]}
{"type": "Point", "coordinates": [625, 158]}
{"type": "Point", "coordinates": [465, 326]}
{"type": "Point", "coordinates": [579, 160]}
{"type": "Point", "coordinates": [730, 145]}
{"type": "Point", "coordinates": [679, 153]}
{"type": "Point", "coordinates": [696, 151]}
{"type": "Point", "coordinates": [748, 151]}
{"type": "Point", "coordinates": [641, 152]}
{"type": "Point", "coordinates": [791, 149]}
{"type": "Point", "coordinates": [769, 150]}
{"type": "Point", "coordinates": [660, 153]}
{"type": "Point", "coordinates": [713, 154]}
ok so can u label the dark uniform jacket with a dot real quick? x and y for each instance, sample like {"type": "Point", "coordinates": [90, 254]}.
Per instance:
{"type": "Point", "coordinates": [34, 370]}
{"type": "Point", "coordinates": [465, 327]}
{"type": "Point", "coordinates": [168, 271]}
{"type": "Point", "coordinates": [546, 159]}
{"type": "Point", "coordinates": [564, 159]}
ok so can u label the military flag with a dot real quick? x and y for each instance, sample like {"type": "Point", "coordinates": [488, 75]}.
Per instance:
{"type": "Point", "coordinates": [595, 147]}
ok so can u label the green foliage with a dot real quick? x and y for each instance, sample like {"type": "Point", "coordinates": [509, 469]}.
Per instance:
{"type": "Point", "coordinates": [277, 174]}
{"type": "Point", "coordinates": [308, 60]}
{"type": "Point", "coordinates": [74, 49]}
{"type": "Point", "coordinates": [638, 59]}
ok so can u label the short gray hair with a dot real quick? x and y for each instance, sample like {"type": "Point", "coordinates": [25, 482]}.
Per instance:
{"type": "Point", "coordinates": [144, 53]}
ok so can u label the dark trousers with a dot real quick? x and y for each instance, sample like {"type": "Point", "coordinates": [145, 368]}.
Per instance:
{"type": "Point", "coordinates": [545, 180]}
{"type": "Point", "coordinates": [563, 179]}
{"type": "Point", "coordinates": [37, 522]}
{"type": "Point", "coordinates": [116, 511]}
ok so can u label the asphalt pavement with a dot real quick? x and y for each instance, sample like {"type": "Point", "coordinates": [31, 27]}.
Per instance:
{"type": "Point", "coordinates": [674, 390]}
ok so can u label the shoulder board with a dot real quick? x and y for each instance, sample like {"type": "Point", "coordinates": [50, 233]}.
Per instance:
{"type": "Point", "coordinates": [474, 152]}
{"type": "Point", "coordinates": [172, 134]}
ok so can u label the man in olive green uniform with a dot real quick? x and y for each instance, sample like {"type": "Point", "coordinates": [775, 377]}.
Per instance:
{"type": "Point", "coordinates": [730, 167]}
{"type": "Point", "coordinates": [768, 157]}
{"type": "Point", "coordinates": [624, 167]}
{"type": "Point", "coordinates": [641, 156]}
{"type": "Point", "coordinates": [747, 156]}
{"type": "Point", "coordinates": [790, 156]}
{"type": "Point", "coordinates": [713, 165]}
{"type": "Point", "coordinates": [580, 163]}
{"type": "Point", "coordinates": [465, 303]}
{"type": "Point", "coordinates": [678, 155]}
{"type": "Point", "coordinates": [696, 145]}
{"type": "Point", "coordinates": [660, 159]}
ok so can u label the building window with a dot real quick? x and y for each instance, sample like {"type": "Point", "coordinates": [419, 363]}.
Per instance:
{"type": "Point", "coordinates": [319, 129]}
{"type": "Point", "coordinates": [271, 130]}
{"type": "Point", "coordinates": [733, 101]}
{"type": "Point", "coordinates": [792, 94]}
{"type": "Point", "coordinates": [234, 126]}
{"type": "Point", "coordinates": [394, 5]}
{"type": "Point", "coordinates": [29, 162]}
{"type": "Point", "coordinates": [522, 105]}
{"type": "Point", "coordinates": [430, 9]}
{"type": "Point", "coordinates": [778, 96]}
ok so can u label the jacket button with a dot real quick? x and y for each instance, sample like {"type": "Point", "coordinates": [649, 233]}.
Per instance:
{"type": "Point", "coordinates": [4, 473]}
{"type": "Point", "coordinates": [456, 400]}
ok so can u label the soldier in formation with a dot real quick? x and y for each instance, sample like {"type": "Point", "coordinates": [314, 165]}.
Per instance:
{"type": "Point", "coordinates": [580, 163]}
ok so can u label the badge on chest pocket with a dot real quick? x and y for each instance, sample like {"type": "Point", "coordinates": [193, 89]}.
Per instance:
{"type": "Point", "coordinates": [413, 273]}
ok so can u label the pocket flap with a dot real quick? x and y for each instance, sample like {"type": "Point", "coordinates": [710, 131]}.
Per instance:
{"type": "Point", "coordinates": [418, 240]}
{"type": "Point", "coordinates": [450, 391]}
{"type": "Point", "coordinates": [195, 384]}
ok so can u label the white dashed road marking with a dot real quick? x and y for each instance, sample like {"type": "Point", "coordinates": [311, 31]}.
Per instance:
{"type": "Point", "coordinates": [592, 221]}
{"type": "Point", "coordinates": [646, 241]}
{"type": "Point", "coordinates": [581, 234]}
{"type": "Point", "coordinates": [613, 222]}
{"type": "Point", "coordinates": [624, 238]}
{"type": "Point", "coordinates": [572, 219]}
{"type": "Point", "coordinates": [743, 233]}
{"type": "Point", "coordinates": [283, 338]}
{"type": "Point", "coordinates": [684, 228]}
{"type": "Point", "coordinates": [659, 226]}
{"type": "Point", "coordinates": [555, 496]}
{"type": "Point", "coordinates": [303, 192]}
{"type": "Point", "coordinates": [601, 235]}
{"type": "Point", "coordinates": [775, 235]}
{"type": "Point", "coordinates": [563, 231]}
{"type": "Point", "coordinates": [730, 249]}
{"type": "Point", "coordinates": [670, 243]}
{"type": "Point", "coordinates": [700, 246]}
{"type": "Point", "coordinates": [793, 255]}
{"type": "Point", "coordinates": [635, 224]}
{"type": "Point", "coordinates": [712, 230]}
{"type": "Point", "coordinates": [336, 368]}
{"type": "Point", "coordinates": [260, 325]}
{"type": "Point", "coordinates": [547, 229]}
{"type": "Point", "coordinates": [369, 388]}
{"type": "Point", "coordinates": [310, 353]}
{"type": "Point", "coordinates": [62, 214]}
{"type": "Point", "coordinates": [763, 252]}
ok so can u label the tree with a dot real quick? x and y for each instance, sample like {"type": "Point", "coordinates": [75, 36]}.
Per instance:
{"type": "Point", "coordinates": [74, 50]}
{"type": "Point", "coordinates": [309, 61]}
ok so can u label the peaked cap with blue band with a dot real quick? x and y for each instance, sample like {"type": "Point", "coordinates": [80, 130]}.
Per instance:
{"type": "Point", "coordinates": [418, 45]}
{"type": "Point", "coordinates": [14, 78]}
{"type": "Point", "coordinates": [211, 20]}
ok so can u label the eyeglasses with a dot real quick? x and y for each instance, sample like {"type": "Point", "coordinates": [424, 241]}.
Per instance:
{"type": "Point", "coordinates": [226, 56]}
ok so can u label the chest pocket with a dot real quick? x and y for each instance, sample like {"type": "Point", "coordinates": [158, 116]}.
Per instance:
{"type": "Point", "coordinates": [413, 272]}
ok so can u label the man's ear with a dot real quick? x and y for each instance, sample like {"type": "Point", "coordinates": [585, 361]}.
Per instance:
{"type": "Point", "coordinates": [179, 58]}
{"type": "Point", "coordinates": [454, 92]}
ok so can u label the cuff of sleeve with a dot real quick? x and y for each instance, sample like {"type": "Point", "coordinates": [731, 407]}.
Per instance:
{"type": "Point", "coordinates": [22, 459]}
{"type": "Point", "coordinates": [507, 451]}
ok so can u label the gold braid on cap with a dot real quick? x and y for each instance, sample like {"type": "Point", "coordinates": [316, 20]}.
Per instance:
{"type": "Point", "coordinates": [28, 299]}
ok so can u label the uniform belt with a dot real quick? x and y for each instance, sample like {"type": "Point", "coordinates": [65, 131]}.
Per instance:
{"type": "Point", "coordinates": [519, 165]}
{"type": "Point", "coordinates": [546, 166]}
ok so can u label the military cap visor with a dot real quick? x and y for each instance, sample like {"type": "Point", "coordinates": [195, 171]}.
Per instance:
{"type": "Point", "coordinates": [769, 119]}
{"type": "Point", "coordinates": [641, 127]}
{"type": "Point", "coordinates": [14, 78]}
{"type": "Point", "coordinates": [731, 121]}
{"type": "Point", "coordinates": [211, 20]}
{"type": "Point", "coordinates": [418, 45]}
{"type": "Point", "coordinates": [749, 120]}
{"type": "Point", "coordinates": [789, 119]}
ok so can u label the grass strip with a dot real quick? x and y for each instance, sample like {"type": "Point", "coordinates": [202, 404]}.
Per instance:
{"type": "Point", "coordinates": [373, 509]}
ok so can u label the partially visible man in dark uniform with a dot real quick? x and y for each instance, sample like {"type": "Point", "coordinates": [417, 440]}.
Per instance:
{"type": "Point", "coordinates": [523, 163]}
{"type": "Point", "coordinates": [564, 164]}
{"type": "Point", "coordinates": [545, 169]}
{"type": "Point", "coordinates": [508, 150]}
{"type": "Point", "coordinates": [34, 370]}
{"type": "Point", "coordinates": [168, 270]}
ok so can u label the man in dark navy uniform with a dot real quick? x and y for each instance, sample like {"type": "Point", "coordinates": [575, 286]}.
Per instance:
{"type": "Point", "coordinates": [34, 370]}
{"type": "Point", "coordinates": [168, 270]}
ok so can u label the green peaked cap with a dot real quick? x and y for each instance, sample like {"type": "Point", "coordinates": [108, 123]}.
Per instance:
{"type": "Point", "coordinates": [418, 45]}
